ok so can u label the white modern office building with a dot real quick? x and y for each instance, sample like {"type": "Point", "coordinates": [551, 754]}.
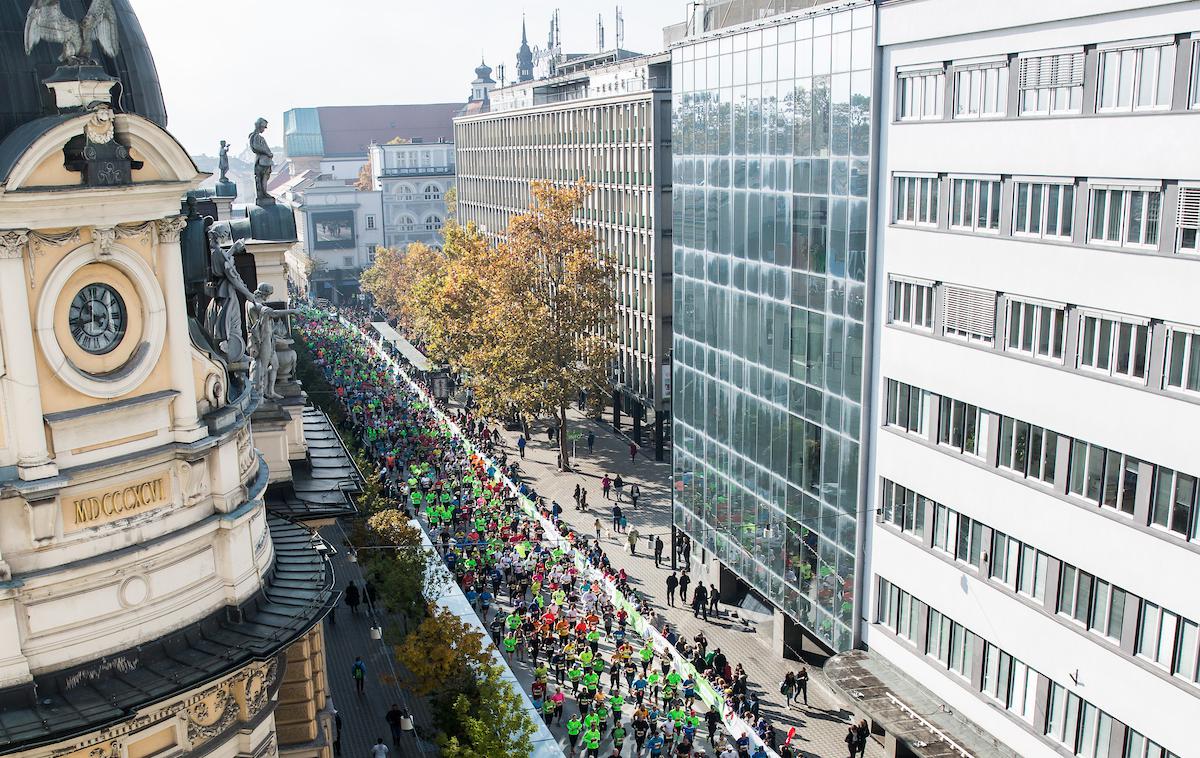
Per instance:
{"type": "Point", "coordinates": [1035, 544]}
{"type": "Point", "coordinates": [413, 179]}
{"type": "Point", "coordinates": [604, 118]}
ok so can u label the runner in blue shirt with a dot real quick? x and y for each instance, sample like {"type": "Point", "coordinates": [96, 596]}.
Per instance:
{"type": "Point", "coordinates": [655, 743]}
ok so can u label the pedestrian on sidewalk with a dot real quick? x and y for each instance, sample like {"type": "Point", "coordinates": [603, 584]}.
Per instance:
{"type": "Point", "coordinates": [684, 581]}
{"type": "Point", "coordinates": [597, 526]}
{"type": "Point", "coordinates": [550, 434]}
{"type": "Point", "coordinates": [802, 684]}
{"type": "Point", "coordinates": [393, 721]}
{"type": "Point", "coordinates": [583, 506]}
{"type": "Point", "coordinates": [787, 688]}
{"type": "Point", "coordinates": [672, 583]}
{"type": "Point", "coordinates": [353, 597]}
{"type": "Point", "coordinates": [380, 750]}
{"type": "Point", "coordinates": [605, 485]}
{"type": "Point", "coordinates": [658, 550]}
{"type": "Point", "coordinates": [591, 441]}
{"type": "Point", "coordinates": [624, 523]}
{"type": "Point", "coordinates": [700, 599]}
{"type": "Point", "coordinates": [851, 740]}
{"type": "Point", "coordinates": [633, 538]}
{"type": "Point", "coordinates": [696, 604]}
{"type": "Point", "coordinates": [521, 445]}
{"type": "Point", "coordinates": [359, 672]}
{"type": "Point", "coordinates": [616, 516]}
{"type": "Point", "coordinates": [714, 600]}
{"type": "Point", "coordinates": [632, 452]}
{"type": "Point", "coordinates": [619, 486]}
{"type": "Point", "coordinates": [634, 493]}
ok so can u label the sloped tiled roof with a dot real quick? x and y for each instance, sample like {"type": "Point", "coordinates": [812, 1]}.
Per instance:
{"type": "Point", "coordinates": [347, 130]}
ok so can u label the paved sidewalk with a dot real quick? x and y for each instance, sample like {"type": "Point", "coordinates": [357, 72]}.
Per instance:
{"type": "Point", "coordinates": [821, 727]}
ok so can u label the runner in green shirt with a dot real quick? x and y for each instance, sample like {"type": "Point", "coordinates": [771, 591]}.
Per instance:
{"type": "Point", "coordinates": [575, 673]}
{"type": "Point", "coordinates": [548, 710]}
{"type": "Point", "coordinates": [655, 681]}
{"type": "Point", "coordinates": [592, 682]}
{"type": "Point", "coordinates": [574, 725]}
{"type": "Point", "coordinates": [591, 740]}
{"type": "Point", "coordinates": [510, 645]}
{"type": "Point", "coordinates": [618, 735]}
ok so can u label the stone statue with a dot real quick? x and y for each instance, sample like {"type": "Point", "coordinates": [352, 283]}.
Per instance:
{"type": "Point", "coordinates": [283, 349]}
{"type": "Point", "coordinates": [264, 161]}
{"type": "Point", "coordinates": [223, 161]}
{"type": "Point", "coordinates": [223, 318]}
{"type": "Point", "coordinates": [263, 322]}
{"type": "Point", "coordinates": [47, 23]}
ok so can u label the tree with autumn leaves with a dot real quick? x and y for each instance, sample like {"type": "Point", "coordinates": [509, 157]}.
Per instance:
{"type": "Point", "coordinates": [523, 320]}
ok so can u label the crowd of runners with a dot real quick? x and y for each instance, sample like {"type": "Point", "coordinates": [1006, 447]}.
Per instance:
{"type": "Point", "coordinates": [593, 675]}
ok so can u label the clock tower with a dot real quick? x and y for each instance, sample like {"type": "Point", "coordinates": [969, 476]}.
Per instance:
{"type": "Point", "coordinates": [148, 598]}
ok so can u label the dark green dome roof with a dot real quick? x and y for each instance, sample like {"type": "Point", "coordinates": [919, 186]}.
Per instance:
{"type": "Point", "coordinates": [24, 98]}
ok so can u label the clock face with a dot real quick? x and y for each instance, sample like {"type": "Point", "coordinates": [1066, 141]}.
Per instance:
{"type": "Point", "coordinates": [97, 318]}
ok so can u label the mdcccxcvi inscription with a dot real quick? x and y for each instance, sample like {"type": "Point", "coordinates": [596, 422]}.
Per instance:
{"type": "Point", "coordinates": [110, 504]}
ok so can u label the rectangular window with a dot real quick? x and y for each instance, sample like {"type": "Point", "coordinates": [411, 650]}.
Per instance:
{"type": "Point", "coordinates": [903, 508]}
{"type": "Point", "coordinates": [1045, 210]}
{"type": "Point", "coordinates": [911, 304]}
{"type": "Point", "coordinates": [968, 314]}
{"type": "Point", "coordinates": [1050, 84]}
{"type": "Point", "coordinates": [1136, 78]}
{"type": "Point", "coordinates": [1138, 746]}
{"type": "Point", "coordinates": [919, 94]}
{"type": "Point", "coordinates": [1036, 329]}
{"type": "Point", "coordinates": [906, 406]}
{"type": "Point", "coordinates": [1182, 371]}
{"type": "Point", "coordinates": [1105, 477]}
{"type": "Point", "coordinates": [1173, 506]}
{"type": "Point", "coordinates": [916, 201]}
{"type": "Point", "coordinates": [968, 545]}
{"type": "Point", "coordinates": [1188, 218]}
{"type": "Point", "coordinates": [1113, 346]}
{"type": "Point", "coordinates": [1194, 88]}
{"type": "Point", "coordinates": [981, 91]}
{"type": "Point", "coordinates": [1006, 559]}
{"type": "Point", "coordinates": [975, 205]}
{"type": "Point", "coordinates": [1027, 449]}
{"type": "Point", "coordinates": [960, 426]}
{"type": "Point", "coordinates": [945, 526]}
{"type": "Point", "coordinates": [1031, 575]}
{"type": "Point", "coordinates": [370, 221]}
{"type": "Point", "coordinates": [1092, 602]}
{"type": "Point", "coordinates": [1076, 723]}
{"type": "Point", "coordinates": [1125, 216]}
{"type": "Point", "coordinates": [1009, 681]}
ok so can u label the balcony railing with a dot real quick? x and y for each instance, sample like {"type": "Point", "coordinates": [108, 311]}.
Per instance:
{"type": "Point", "coordinates": [420, 171]}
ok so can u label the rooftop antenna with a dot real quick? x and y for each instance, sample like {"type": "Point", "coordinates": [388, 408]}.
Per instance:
{"type": "Point", "coordinates": [500, 73]}
{"type": "Point", "coordinates": [600, 32]}
{"type": "Point", "coordinates": [619, 29]}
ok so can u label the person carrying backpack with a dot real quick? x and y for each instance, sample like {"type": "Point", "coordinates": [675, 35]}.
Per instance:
{"type": "Point", "coordinates": [359, 672]}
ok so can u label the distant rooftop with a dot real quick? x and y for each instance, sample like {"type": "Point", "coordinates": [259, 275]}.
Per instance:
{"type": "Point", "coordinates": [708, 17]}
{"type": "Point", "coordinates": [343, 131]}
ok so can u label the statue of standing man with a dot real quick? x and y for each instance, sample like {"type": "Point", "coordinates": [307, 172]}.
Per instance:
{"type": "Point", "coordinates": [264, 161]}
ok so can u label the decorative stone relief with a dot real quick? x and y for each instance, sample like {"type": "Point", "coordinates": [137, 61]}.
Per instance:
{"type": "Point", "coordinates": [12, 243]}
{"type": "Point", "coordinates": [170, 228]}
{"type": "Point", "coordinates": [211, 716]}
{"type": "Point", "coordinates": [246, 457]}
{"type": "Point", "coordinates": [194, 481]}
{"type": "Point", "coordinates": [104, 238]}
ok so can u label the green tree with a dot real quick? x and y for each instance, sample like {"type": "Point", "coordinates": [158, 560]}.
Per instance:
{"type": "Point", "coordinates": [444, 653]}
{"type": "Point", "coordinates": [495, 725]}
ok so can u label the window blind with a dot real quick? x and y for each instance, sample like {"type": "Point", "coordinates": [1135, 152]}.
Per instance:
{"type": "Point", "coordinates": [1189, 207]}
{"type": "Point", "coordinates": [1062, 70]}
{"type": "Point", "coordinates": [968, 310]}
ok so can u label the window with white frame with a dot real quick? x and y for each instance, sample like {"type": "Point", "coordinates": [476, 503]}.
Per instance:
{"type": "Point", "coordinates": [1050, 83]}
{"type": "Point", "coordinates": [960, 426]}
{"type": "Point", "coordinates": [1168, 640]}
{"type": "Point", "coordinates": [1010, 682]}
{"type": "Point", "coordinates": [432, 191]}
{"type": "Point", "coordinates": [915, 200]}
{"type": "Point", "coordinates": [911, 303]}
{"type": "Point", "coordinates": [1182, 370]}
{"type": "Point", "coordinates": [903, 508]}
{"type": "Point", "coordinates": [907, 406]}
{"type": "Point", "coordinates": [1005, 558]}
{"type": "Point", "coordinates": [919, 94]}
{"type": "Point", "coordinates": [981, 89]}
{"type": "Point", "coordinates": [1188, 219]}
{"type": "Point", "coordinates": [951, 643]}
{"type": "Point", "coordinates": [975, 205]}
{"type": "Point", "coordinates": [1044, 209]}
{"type": "Point", "coordinates": [433, 223]}
{"type": "Point", "coordinates": [370, 221]}
{"type": "Point", "coordinates": [1115, 346]}
{"type": "Point", "coordinates": [1082, 727]}
{"type": "Point", "coordinates": [1125, 215]}
{"type": "Point", "coordinates": [1173, 505]}
{"type": "Point", "coordinates": [1027, 449]}
{"type": "Point", "coordinates": [1031, 574]}
{"type": "Point", "coordinates": [968, 314]}
{"type": "Point", "coordinates": [1137, 745]}
{"type": "Point", "coordinates": [1036, 329]}
{"type": "Point", "coordinates": [1194, 85]}
{"type": "Point", "coordinates": [1136, 77]}
{"type": "Point", "coordinates": [1091, 601]}
{"type": "Point", "coordinates": [898, 610]}
{"type": "Point", "coordinates": [1105, 477]}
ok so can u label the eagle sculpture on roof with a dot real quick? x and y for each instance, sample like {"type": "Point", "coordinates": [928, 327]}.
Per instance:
{"type": "Point", "coordinates": [47, 23]}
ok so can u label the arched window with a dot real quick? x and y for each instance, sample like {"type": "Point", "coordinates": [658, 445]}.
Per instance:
{"type": "Point", "coordinates": [433, 223]}
{"type": "Point", "coordinates": [433, 192]}
{"type": "Point", "coordinates": [405, 192]}
{"type": "Point", "coordinates": [408, 223]}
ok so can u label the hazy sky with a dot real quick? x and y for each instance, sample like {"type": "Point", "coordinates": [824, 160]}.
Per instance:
{"type": "Point", "coordinates": [224, 63]}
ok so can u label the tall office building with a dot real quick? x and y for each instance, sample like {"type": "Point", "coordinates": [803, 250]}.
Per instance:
{"type": "Point", "coordinates": [1037, 389]}
{"type": "Point", "coordinates": [771, 163]}
{"type": "Point", "coordinates": [603, 118]}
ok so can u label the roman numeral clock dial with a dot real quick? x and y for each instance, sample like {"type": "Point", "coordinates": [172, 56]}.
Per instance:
{"type": "Point", "coordinates": [97, 318]}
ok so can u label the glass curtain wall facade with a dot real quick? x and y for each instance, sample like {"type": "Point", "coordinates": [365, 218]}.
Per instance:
{"type": "Point", "coordinates": [771, 142]}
